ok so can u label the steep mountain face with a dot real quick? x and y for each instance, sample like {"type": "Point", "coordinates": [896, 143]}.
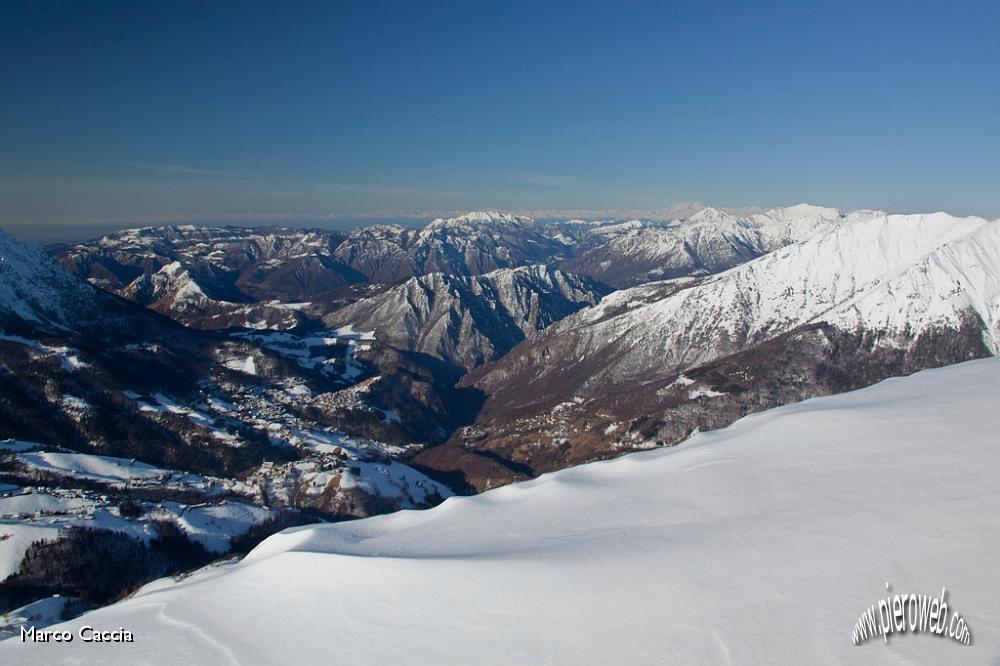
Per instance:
{"type": "Point", "coordinates": [844, 299]}
{"type": "Point", "coordinates": [710, 241]}
{"type": "Point", "coordinates": [873, 297]}
{"type": "Point", "coordinates": [36, 293]}
{"type": "Point", "coordinates": [893, 276]}
{"type": "Point", "coordinates": [381, 253]}
{"type": "Point", "coordinates": [468, 320]}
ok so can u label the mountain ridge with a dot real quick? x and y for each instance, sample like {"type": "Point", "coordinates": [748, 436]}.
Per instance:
{"type": "Point", "coordinates": [874, 297]}
{"type": "Point", "coordinates": [468, 320]}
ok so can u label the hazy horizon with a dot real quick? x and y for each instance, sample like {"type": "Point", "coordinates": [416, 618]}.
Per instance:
{"type": "Point", "coordinates": [46, 233]}
{"type": "Point", "coordinates": [50, 233]}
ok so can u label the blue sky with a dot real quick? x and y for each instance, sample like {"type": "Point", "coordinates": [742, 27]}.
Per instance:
{"type": "Point", "coordinates": [144, 111]}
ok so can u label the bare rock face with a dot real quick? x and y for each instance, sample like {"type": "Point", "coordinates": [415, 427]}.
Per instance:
{"type": "Point", "coordinates": [465, 321]}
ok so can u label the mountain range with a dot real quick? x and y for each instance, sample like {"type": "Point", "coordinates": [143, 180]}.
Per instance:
{"type": "Point", "coordinates": [173, 394]}
{"type": "Point", "coordinates": [871, 297]}
{"type": "Point", "coordinates": [270, 277]}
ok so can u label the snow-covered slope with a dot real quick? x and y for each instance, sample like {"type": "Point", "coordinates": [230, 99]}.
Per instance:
{"type": "Point", "coordinates": [760, 543]}
{"type": "Point", "coordinates": [172, 287]}
{"type": "Point", "coordinates": [891, 276]}
{"type": "Point", "coordinates": [278, 277]}
{"type": "Point", "coordinates": [707, 242]}
{"type": "Point", "coordinates": [895, 275]}
{"type": "Point", "coordinates": [35, 291]}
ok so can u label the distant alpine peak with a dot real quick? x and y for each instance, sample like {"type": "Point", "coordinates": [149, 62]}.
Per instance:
{"type": "Point", "coordinates": [801, 211]}
{"type": "Point", "coordinates": [709, 214]}
{"type": "Point", "coordinates": [810, 209]}
{"type": "Point", "coordinates": [173, 268]}
{"type": "Point", "coordinates": [480, 218]}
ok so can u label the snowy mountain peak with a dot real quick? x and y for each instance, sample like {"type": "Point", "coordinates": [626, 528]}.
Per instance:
{"type": "Point", "coordinates": [479, 218]}
{"type": "Point", "coordinates": [707, 242]}
{"type": "Point", "coordinates": [801, 211]}
{"type": "Point", "coordinates": [173, 281]}
{"type": "Point", "coordinates": [866, 296]}
{"type": "Point", "coordinates": [709, 214]}
{"type": "Point", "coordinates": [172, 269]}
{"type": "Point", "coordinates": [809, 209]}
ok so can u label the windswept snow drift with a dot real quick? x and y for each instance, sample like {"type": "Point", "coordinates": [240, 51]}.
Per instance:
{"type": "Point", "coordinates": [759, 543]}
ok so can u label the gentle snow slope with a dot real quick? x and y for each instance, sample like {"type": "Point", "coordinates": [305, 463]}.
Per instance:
{"type": "Point", "coordinates": [760, 543]}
